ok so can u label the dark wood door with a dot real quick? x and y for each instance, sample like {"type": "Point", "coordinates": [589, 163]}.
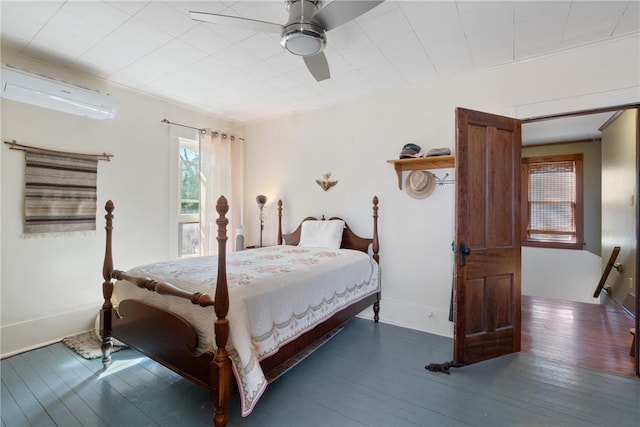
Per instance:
{"type": "Point", "coordinates": [487, 242]}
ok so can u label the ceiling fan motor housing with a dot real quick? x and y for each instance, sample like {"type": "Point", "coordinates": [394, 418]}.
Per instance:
{"type": "Point", "coordinates": [301, 35]}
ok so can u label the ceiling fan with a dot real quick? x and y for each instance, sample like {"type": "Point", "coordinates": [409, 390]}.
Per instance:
{"type": "Point", "coordinates": [304, 34]}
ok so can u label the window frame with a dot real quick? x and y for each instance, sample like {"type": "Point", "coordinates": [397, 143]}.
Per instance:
{"type": "Point", "coordinates": [578, 159]}
{"type": "Point", "coordinates": [186, 218]}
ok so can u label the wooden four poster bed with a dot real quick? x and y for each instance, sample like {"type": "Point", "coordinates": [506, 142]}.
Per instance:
{"type": "Point", "coordinates": [177, 343]}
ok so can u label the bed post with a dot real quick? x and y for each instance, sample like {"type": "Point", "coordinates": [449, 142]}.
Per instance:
{"type": "Point", "coordinates": [375, 247]}
{"type": "Point", "coordinates": [107, 289]}
{"type": "Point", "coordinates": [279, 236]}
{"type": "Point", "coordinates": [220, 375]}
{"type": "Point", "coordinates": [375, 244]}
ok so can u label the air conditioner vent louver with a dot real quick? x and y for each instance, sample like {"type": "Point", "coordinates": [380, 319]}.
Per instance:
{"type": "Point", "coordinates": [21, 86]}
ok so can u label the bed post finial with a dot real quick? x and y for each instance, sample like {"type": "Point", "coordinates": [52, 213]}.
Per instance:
{"type": "Point", "coordinates": [376, 243]}
{"type": "Point", "coordinates": [221, 374]}
{"type": "Point", "coordinates": [375, 247]}
{"type": "Point", "coordinates": [107, 266]}
{"type": "Point", "coordinates": [107, 288]}
{"type": "Point", "coordinates": [222, 294]}
{"type": "Point", "coordinates": [279, 236]}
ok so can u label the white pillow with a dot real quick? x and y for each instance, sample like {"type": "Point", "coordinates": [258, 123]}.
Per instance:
{"type": "Point", "coordinates": [321, 234]}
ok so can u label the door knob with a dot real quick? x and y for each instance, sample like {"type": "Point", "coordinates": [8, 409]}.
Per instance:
{"type": "Point", "coordinates": [464, 253]}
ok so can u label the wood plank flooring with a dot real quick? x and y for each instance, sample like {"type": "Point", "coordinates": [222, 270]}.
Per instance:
{"type": "Point", "coordinates": [589, 335]}
{"type": "Point", "coordinates": [367, 375]}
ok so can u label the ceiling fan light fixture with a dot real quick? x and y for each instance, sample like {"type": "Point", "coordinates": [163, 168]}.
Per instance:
{"type": "Point", "coordinates": [303, 39]}
{"type": "Point", "coordinates": [304, 34]}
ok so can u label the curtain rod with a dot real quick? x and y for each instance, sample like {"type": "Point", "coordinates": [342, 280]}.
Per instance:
{"type": "Point", "coordinates": [203, 131]}
{"type": "Point", "coordinates": [13, 145]}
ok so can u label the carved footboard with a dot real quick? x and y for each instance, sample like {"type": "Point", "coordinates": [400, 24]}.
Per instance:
{"type": "Point", "coordinates": [149, 329]}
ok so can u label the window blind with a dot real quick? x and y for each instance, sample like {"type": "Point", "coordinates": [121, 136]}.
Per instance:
{"type": "Point", "coordinates": [552, 199]}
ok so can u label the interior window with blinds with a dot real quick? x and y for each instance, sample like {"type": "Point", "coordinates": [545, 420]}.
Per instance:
{"type": "Point", "coordinates": [552, 187]}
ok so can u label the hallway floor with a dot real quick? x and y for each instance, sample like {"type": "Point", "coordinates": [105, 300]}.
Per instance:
{"type": "Point", "coordinates": [588, 335]}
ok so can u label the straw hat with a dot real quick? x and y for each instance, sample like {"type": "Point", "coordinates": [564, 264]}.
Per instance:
{"type": "Point", "coordinates": [420, 184]}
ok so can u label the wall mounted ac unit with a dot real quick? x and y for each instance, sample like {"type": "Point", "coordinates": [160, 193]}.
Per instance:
{"type": "Point", "coordinates": [21, 86]}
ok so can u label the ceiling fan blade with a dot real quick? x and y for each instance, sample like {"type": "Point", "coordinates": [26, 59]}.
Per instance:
{"type": "Point", "coordinates": [318, 66]}
{"type": "Point", "coordinates": [339, 12]}
{"type": "Point", "coordinates": [236, 21]}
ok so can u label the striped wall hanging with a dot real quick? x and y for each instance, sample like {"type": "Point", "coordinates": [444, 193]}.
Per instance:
{"type": "Point", "coordinates": [60, 193]}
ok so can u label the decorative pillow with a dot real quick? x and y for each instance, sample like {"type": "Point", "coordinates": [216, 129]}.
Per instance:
{"type": "Point", "coordinates": [321, 234]}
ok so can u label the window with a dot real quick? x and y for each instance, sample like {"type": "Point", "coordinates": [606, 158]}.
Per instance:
{"type": "Point", "coordinates": [189, 213]}
{"type": "Point", "coordinates": [552, 201]}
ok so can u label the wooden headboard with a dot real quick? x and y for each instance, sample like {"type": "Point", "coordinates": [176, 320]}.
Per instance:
{"type": "Point", "coordinates": [350, 240]}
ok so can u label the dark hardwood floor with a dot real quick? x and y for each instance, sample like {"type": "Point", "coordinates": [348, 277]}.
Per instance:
{"type": "Point", "coordinates": [592, 336]}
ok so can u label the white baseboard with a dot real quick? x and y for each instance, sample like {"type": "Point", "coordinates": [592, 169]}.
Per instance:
{"type": "Point", "coordinates": [422, 318]}
{"type": "Point", "coordinates": [19, 337]}
{"type": "Point", "coordinates": [23, 336]}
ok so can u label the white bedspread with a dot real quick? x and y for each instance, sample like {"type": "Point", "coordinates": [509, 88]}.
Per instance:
{"type": "Point", "coordinates": [275, 294]}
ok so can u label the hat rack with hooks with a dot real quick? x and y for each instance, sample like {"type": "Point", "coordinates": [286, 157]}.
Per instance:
{"type": "Point", "coordinates": [444, 180]}
{"type": "Point", "coordinates": [424, 163]}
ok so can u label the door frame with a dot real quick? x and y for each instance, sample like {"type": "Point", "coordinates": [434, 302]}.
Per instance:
{"type": "Point", "coordinates": [605, 110]}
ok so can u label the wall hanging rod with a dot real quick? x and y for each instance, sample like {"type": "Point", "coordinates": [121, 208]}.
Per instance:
{"type": "Point", "coordinates": [203, 131]}
{"type": "Point", "coordinates": [13, 145]}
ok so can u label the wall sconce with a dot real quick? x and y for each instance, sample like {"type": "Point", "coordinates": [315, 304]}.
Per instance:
{"type": "Point", "coordinates": [325, 182]}
{"type": "Point", "coordinates": [261, 200]}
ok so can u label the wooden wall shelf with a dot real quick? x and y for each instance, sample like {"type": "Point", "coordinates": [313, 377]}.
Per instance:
{"type": "Point", "coordinates": [421, 163]}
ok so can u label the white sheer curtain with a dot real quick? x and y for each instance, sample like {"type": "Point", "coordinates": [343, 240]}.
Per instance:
{"type": "Point", "coordinates": [215, 181]}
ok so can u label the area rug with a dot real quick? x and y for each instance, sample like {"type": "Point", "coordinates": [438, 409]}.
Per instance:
{"type": "Point", "coordinates": [87, 344]}
{"type": "Point", "coordinates": [293, 361]}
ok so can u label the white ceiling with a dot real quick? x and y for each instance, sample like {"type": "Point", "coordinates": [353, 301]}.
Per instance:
{"type": "Point", "coordinates": [154, 47]}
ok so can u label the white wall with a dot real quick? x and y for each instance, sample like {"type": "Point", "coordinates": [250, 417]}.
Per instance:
{"type": "Point", "coordinates": [285, 155]}
{"type": "Point", "coordinates": [560, 274]}
{"type": "Point", "coordinates": [51, 287]}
